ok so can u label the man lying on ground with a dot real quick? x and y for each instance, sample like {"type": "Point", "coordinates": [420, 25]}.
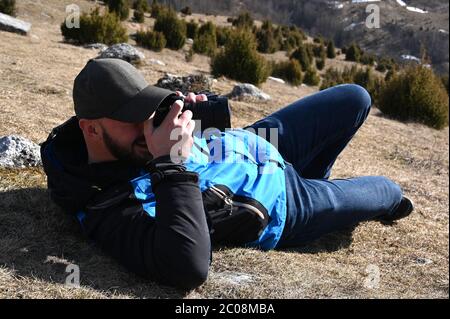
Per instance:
{"type": "Point", "coordinates": [158, 203]}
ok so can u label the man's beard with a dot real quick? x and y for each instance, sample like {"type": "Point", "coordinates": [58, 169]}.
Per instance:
{"type": "Point", "coordinates": [126, 154]}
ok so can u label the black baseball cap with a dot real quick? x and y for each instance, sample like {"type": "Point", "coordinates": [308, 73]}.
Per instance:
{"type": "Point", "coordinates": [115, 89]}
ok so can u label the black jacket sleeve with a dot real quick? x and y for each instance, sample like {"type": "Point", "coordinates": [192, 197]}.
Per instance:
{"type": "Point", "coordinates": [174, 247]}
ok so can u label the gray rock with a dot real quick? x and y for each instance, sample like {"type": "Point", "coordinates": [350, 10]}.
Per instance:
{"type": "Point", "coordinates": [190, 83]}
{"type": "Point", "coordinates": [123, 51]}
{"type": "Point", "coordinates": [97, 46]}
{"type": "Point", "coordinates": [248, 91]}
{"type": "Point", "coordinates": [8, 23]}
{"type": "Point", "coordinates": [423, 261]}
{"type": "Point", "coordinates": [16, 151]}
{"type": "Point", "coordinates": [189, 41]}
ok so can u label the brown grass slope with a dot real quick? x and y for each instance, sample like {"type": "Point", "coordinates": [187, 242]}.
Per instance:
{"type": "Point", "coordinates": [37, 242]}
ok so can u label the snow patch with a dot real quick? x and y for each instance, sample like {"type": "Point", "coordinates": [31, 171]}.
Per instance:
{"type": "Point", "coordinates": [413, 9]}
{"type": "Point", "coordinates": [352, 26]}
{"type": "Point", "coordinates": [410, 58]}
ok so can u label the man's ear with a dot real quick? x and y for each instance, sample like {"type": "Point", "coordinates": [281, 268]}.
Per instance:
{"type": "Point", "coordinates": [90, 128]}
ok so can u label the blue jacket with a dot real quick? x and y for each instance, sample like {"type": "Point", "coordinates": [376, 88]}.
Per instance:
{"type": "Point", "coordinates": [245, 163]}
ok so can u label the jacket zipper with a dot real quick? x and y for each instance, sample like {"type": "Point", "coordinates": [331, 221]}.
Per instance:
{"type": "Point", "coordinates": [227, 199]}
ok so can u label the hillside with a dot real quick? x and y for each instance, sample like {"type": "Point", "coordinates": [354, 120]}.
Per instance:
{"type": "Point", "coordinates": [401, 31]}
{"type": "Point", "coordinates": [37, 242]}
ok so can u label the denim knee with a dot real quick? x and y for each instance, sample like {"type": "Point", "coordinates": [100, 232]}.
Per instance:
{"type": "Point", "coordinates": [357, 100]}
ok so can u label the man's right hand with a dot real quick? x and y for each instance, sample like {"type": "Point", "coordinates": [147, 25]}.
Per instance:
{"type": "Point", "coordinates": [158, 138]}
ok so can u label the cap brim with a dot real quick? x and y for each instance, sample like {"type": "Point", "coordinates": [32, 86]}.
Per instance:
{"type": "Point", "coordinates": [142, 105]}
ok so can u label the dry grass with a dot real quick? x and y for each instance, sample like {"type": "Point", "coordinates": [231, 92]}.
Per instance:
{"type": "Point", "coordinates": [37, 241]}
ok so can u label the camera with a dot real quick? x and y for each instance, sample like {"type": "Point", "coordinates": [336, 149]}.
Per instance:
{"type": "Point", "coordinates": [214, 113]}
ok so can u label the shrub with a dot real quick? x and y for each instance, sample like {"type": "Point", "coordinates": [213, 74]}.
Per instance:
{"type": "Point", "coordinates": [301, 55]}
{"type": "Point", "coordinates": [390, 74]}
{"type": "Point", "coordinates": [367, 59]}
{"type": "Point", "coordinates": [173, 29]}
{"type": "Point", "coordinates": [416, 94]}
{"type": "Point", "coordinates": [8, 7]}
{"type": "Point", "coordinates": [151, 40]}
{"type": "Point", "coordinates": [331, 78]}
{"type": "Point", "coordinates": [187, 11]}
{"type": "Point", "coordinates": [191, 29]}
{"type": "Point", "coordinates": [310, 51]}
{"type": "Point", "coordinates": [291, 71]}
{"type": "Point", "coordinates": [141, 4]}
{"type": "Point", "coordinates": [320, 64]}
{"type": "Point", "coordinates": [319, 51]}
{"type": "Point", "coordinates": [222, 35]}
{"type": "Point", "coordinates": [266, 40]}
{"type": "Point", "coordinates": [292, 41]}
{"type": "Point", "coordinates": [318, 40]}
{"type": "Point", "coordinates": [294, 29]}
{"type": "Point", "coordinates": [239, 60]}
{"type": "Point", "coordinates": [311, 77]}
{"type": "Point", "coordinates": [138, 15]}
{"type": "Point", "coordinates": [331, 51]}
{"type": "Point", "coordinates": [94, 27]}
{"type": "Point", "coordinates": [120, 7]}
{"type": "Point", "coordinates": [385, 63]}
{"type": "Point", "coordinates": [362, 76]}
{"type": "Point", "coordinates": [157, 9]}
{"type": "Point", "coordinates": [367, 79]}
{"type": "Point", "coordinates": [206, 41]}
{"type": "Point", "coordinates": [381, 67]}
{"type": "Point", "coordinates": [243, 21]}
{"type": "Point", "coordinates": [353, 53]}
{"type": "Point", "coordinates": [444, 80]}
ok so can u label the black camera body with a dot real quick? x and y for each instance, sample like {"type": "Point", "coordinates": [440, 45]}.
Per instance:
{"type": "Point", "coordinates": [214, 113]}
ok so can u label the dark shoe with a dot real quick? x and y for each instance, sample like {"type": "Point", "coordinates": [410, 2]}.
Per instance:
{"type": "Point", "coordinates": [404, 209]}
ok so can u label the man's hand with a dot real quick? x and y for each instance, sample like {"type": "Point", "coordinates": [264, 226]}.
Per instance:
{"type": "Point", "coordinates": [191, 97]}
{"type": "Point", "coordinates": [179, 123]}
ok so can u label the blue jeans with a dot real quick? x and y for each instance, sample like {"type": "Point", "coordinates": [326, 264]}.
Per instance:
{"type": "Point", "coordinates": [312, 132]}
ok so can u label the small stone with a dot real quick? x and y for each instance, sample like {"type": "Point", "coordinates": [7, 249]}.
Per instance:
{"type": "Point", "coordinates": [11, 24]}
{"type": "Point", "coordinates": [190, 83]}
{"type": "Point", "coordinates": [97, 46]}
{"type": "Point", "coordinates": [123, 51]}
{"type": "Point", "coordinates": [16, 151]}
{"type": "Point", "coordinates": [423, 261]}
{"type": "Point", "coordinates": [248, 91]}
